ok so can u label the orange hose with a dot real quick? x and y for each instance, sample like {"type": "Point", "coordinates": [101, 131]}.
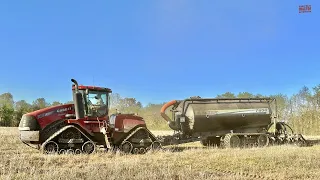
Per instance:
{"type": "Point", "coordinates": [164, 107]}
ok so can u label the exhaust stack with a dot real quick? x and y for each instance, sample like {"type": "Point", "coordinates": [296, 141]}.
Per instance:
{"type": "Point", "coordinates": [78, 101]}
{"type": "Point", "coordinates": [75, 84]}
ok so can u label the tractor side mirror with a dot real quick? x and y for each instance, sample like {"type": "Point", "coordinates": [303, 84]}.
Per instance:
{"type": "Point", "coordinates": [87, 91]}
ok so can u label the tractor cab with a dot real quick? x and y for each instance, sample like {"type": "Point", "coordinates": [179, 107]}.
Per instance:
{"type": "Point", "coordinates": [91, 101]}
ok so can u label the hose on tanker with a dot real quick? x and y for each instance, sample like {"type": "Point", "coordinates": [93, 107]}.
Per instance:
{"type": "Point", "coordinates": [172, 124]}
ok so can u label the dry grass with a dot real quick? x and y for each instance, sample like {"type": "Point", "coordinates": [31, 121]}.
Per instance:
{"type": "Point", "coordinates": [286, 162]}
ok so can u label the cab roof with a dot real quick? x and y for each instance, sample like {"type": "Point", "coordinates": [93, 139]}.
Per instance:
{"type": "Point", "coordinates": [82, 87]}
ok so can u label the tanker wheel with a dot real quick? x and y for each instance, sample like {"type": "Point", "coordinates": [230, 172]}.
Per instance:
{"type": "Point", "coordinates": [231, 141]}
{"type": "Point", "coordinates": [126, 147]}
{"type": "Point", "coordinates": [88, 147]}
{"type": "Point", "coordinates": [50, 147]}
{"type": "Point", "coordinates": [263, 140]}
{"type": "Point", "coordinates": [71, 133]}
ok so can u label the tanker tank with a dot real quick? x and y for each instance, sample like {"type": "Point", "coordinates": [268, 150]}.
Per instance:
{"type": "Point", "coordinates": [214, 118]}
{"type": "Point", "coordinates": [223, 115]}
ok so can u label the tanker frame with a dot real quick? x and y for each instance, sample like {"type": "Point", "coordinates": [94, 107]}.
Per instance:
{"type": "Point", "coordinates": [228, 122]}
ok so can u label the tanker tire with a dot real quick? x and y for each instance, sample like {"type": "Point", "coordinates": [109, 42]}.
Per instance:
{"type": "Point", "coordinates": [263, 140]}
{"type": "Point", "coordinates": [231, 141]}
{"type": "Point", "coordinates": [204, 142]}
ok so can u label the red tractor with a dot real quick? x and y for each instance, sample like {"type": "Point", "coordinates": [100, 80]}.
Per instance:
{"type": "Point", "coordinates": [85, 125]}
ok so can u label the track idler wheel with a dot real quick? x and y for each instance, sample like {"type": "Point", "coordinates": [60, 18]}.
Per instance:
{"type": "Point", "coordinates": [70, 151]}
{"type": "Point", "coordinates": [142, 150]}
{"type": "Point", "coordinates": [135, 151]}
{"type": "Point", "coordinates": [62, 151]}
{"type": "Point", "coordinates": [263, 140]}
{"type": "Point", "coordinates": [50, 147]}
{"type": "Point", "coordinates": [88, 147]}
{"type": "Point", "coordinates": [126, 147]}
{"type": "Point", "coordinates": [77, 151]}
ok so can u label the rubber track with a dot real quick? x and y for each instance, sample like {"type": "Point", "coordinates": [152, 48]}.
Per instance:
{"type": "Point", "coordinates": [133, 132]}
{"type": "Point", "coordinates": [60, 131]}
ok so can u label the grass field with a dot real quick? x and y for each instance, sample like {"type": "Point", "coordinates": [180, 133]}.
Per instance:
{"type": "Point", "coordinates": [18, 161]}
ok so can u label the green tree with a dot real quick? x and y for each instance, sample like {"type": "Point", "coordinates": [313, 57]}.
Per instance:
{"type": "Point", "coordinates": [129, 105]}
{"type": "Point", "coordinates": [316, 96]}
{"type": "Point", "coordinates": [21, 108]}
{"type": "Point", "coordinates": [115, 100]}
{"type": "Point", "coordinates": [259, 96]}
{"type": "Point", "coordinates": [226, 95]}
{"type": "Point", "coordinates": [282, 104]}
{"type": "Point", "coordinates": [39, 103]}
{"type": "Point", "coordinates": [245, 95]}
{"type": "Point", "coordinates": [69, 102]}
{"type": "Point", "coordinates": [6, 115]}
{"type": "Point", "coordinates": [151, 114]}
{"type": "Point", "coordinates": [56, 103]}
{"type": "Point", "coordinates": [6, 99]}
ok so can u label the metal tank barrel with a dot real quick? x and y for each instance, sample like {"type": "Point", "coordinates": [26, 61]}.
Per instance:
{"type": "Point", "coordinates": [221, 115]}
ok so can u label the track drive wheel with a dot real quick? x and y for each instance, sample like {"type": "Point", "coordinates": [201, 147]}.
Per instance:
{"type": "Point", "coordinates": [126, 147]}
{"type": "Point", "coordinates": [50, 147]}
{"type": "Point", "coordinates": [88, 147]}
{"type": "Point", "coordinates": [231, 141]}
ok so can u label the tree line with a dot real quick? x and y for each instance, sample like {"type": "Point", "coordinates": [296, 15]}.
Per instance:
{"type": "Point", "coordinates": [300, 110]}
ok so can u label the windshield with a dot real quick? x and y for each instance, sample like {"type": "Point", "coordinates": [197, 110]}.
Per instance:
{"type": "Point", "coordinates": [96, 103]}
{"type": "Point", "coordinates": [97, 98]}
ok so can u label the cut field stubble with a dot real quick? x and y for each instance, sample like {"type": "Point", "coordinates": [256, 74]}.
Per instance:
{"type": "Point", "coordinates": [18, 161]}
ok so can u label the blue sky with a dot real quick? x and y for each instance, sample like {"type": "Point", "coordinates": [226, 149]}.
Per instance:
{"type": "Point", "coordinates": [158, 50]}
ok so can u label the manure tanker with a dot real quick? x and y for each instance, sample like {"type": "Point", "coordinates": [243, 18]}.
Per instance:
{"type": "Point", "coordinates": [227, 122]}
